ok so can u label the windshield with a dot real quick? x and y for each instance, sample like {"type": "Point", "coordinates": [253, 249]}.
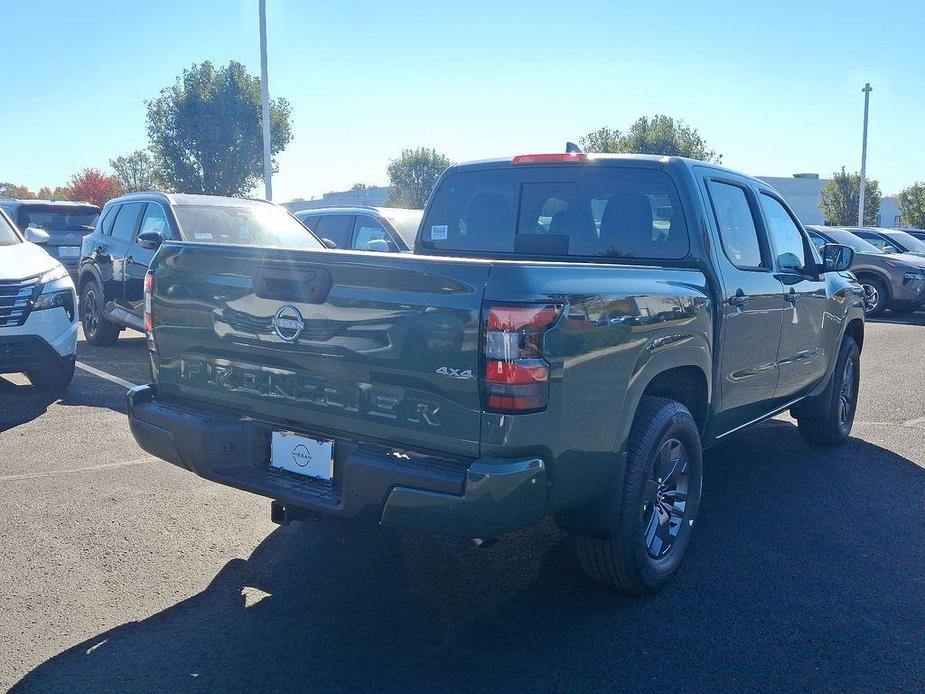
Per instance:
{"type": "Point", "coordinates": [908, 241]}
{"type": "Point", "coordinates": [846, 238]}
{"type": "Point", "coordinates": [58, 218]}
{"type": "Point", "coordinates": [253, 225]}
{"type": "Point", "coordinates": [405, 223]}
{"type": "Point", "coordinates": [8, 235]}
{"type": "Point", "coordinates": [590, 211]}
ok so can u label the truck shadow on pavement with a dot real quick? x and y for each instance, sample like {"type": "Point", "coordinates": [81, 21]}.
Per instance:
{"type": "Point", "coordinates": [806, 573]}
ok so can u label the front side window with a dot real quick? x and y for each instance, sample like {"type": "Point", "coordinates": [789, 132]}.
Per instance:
{"type": "Point", "coordinates": [786, 239]}
{"type": "Point", "coordinates": [155, 219]}
{"type": "Point", "coordinates": [737, 230]}
{"type": "Point", "coordinates": [578, 211]}
{"type": "Point", "coordinates": [368, 229]}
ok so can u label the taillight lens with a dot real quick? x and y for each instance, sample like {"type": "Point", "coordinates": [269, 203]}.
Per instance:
{"type": "Point", "coordinates": [516, 375]}
{"type": "Point", "coordinates": [149, 322]}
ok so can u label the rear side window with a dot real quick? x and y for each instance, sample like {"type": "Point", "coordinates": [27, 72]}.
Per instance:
{"type": "Point", "coordinates": [124, 226]}
{"type": "Point", "coordinates": [579, 211]}
{"type": "Point", "coordinates": [109, 216]}
{"type": "Point", "coordinates": [736, 225]}
{"type": "Point", "coordinates": [336, 227]}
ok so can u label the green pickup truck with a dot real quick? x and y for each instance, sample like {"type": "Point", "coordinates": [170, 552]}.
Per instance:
{"type": "Point", "coordinates": [568, 335]}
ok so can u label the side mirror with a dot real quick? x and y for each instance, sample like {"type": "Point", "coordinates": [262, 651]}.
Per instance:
{"type": "Point", "coordinates": [380, 245]}
{"type": "Point", "coordinates": [328, 243]}
{"type": "Point", "coordinates": [150, 240]}
{"type": "Point", "coordinates": [890, 249]}
{"type": "Point", "coordinates": [836, 258]}
{"type": "Point", "coordinates": [36, 235]}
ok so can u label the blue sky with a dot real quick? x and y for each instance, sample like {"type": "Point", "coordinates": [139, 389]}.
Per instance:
{"type": "Point", "coordinates": [775, 87]}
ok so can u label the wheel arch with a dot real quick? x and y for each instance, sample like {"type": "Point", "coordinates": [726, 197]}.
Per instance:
{"type": "Point", "coordinates": [883, 278]}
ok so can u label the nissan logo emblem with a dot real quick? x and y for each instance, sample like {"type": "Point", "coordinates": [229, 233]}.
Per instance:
{"type": "Point", "coordinates": [288, 323]}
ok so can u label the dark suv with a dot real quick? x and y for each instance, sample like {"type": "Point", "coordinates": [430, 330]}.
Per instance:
{"type": "Point", "coordinates": [65, 222]}
{"type": "Point", "coordinates": [115, 257]}
{"type": "Point", "coordinates": [390, 229]}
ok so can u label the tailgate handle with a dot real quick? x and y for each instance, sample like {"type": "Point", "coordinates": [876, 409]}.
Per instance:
{"type": "Point", "coordinates": [308, 285]}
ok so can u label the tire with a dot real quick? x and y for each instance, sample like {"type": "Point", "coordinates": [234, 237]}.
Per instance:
{"type": "Point", "coordinates": [876, 295]}
{"type": "Point", "coordinates": [650, 533]}
{"type": "Point", "coordinates": [830, 422]}
{"type": "Point", "coordinates": [98, 331]}
{"type": "Point", "coordinates": [55, 377]}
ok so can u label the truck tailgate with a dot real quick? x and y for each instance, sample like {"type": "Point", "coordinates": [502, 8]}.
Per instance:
{"type": "Point", "coordinates": [383, 346]}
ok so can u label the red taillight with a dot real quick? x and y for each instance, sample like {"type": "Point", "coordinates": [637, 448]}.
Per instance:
{"type": "Point", "coordinates": [149, 322]}
{"type": "Point", "coordinates": [516, 376]}
{"type": "Point", "coordinates": [557, 158]}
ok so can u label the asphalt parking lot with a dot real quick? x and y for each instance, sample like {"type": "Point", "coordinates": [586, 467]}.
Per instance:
{"type": "Point", "coordinates": [122, 573]}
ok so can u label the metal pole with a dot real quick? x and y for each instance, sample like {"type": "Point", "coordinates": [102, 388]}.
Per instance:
{"type": "Point", "coordinates": [265, 96]}
{"type": "Point", "coordinates": [866, 90]}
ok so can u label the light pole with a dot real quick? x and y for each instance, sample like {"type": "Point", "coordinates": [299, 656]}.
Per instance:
{"type": "Point", "coordinates": [866, 90]}
{"type": "Point", "coordinates": [265, 96]}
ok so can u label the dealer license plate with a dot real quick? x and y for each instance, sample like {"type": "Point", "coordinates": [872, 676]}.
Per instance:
{"type": "Point", "coordinates": [302, 455]}
{"type": "Point", "coordinates": [68, 251]}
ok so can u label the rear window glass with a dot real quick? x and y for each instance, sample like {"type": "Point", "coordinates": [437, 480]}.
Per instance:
{"type": "Point", "coordinates": [601, 212]}
{"type": "Point", "coordinates": [63, 218]}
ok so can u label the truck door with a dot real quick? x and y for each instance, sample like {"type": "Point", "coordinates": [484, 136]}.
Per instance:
{"type": "Point", "coordinates": [801, 355]}
{"type": "Point", "coordinates": [752, 304]}
{"type": "Point", "coordinates": [138, 259]}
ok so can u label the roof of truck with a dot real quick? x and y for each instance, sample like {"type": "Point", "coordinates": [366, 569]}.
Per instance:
{"type": "Point", "coordinates": [590, 158]}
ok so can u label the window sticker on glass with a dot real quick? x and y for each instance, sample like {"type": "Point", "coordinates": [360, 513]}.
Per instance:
{"type": "Point", "coordinates": [202, 236]}
{"type": "Point", "coordinates": [438, 232]}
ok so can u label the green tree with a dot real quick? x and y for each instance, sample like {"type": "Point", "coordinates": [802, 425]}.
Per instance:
{"type": "Point", "coordinates": [359, 186]}
{"type": "Point", "coordinates": [413, 176]}
{"type": "Point", "coordinates": [206, 134]}
{"type": "Point", "coordinates": [912, 205]}
{"type": "Point", "coordinates": [61, 193]}
{"type": "Point", "coordinates": [839, 199]}
{"type": "Point", "coordinates": [136, 172]}
{"type": "Point", "coordinates": [657, 135]}
{"type": "Point", "coordinates": [11, 190]}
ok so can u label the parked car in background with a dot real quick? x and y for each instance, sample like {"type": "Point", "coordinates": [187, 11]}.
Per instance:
{"type": "Point", "coordinates": [389, 229]}
{"type": "Point", "coordinates": [488, 379]}
{"type": "Point", "coordinates": [917, 233]}
{"type": "Point", "coordinates": [38, 309]}
{"type": "Point", "coordinates": [115, 257]}
{"type": "Point", "coordinates": [890, 281]}
{"type": "Point", "coordinates": [65, 222]}
{"type": "Point", "coordinates": [890, 240]}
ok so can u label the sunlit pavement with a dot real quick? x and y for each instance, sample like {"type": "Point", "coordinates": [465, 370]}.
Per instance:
{"type": "Point", "coordinates": [122, 573]}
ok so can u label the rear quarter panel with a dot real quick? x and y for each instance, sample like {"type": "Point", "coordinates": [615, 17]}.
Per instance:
{"type": "Point", "coordinates": [621, 326]}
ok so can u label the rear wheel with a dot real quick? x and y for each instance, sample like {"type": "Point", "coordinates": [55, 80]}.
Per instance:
{"type": "Point", "coordinates": [653, 514]}
{"type": "Point", "coordinates": [98, 331]}
{"type": "Point", "coordinates": [830, 423]}
{"type": "Point", "coordinates": [875, 295]}
{"type": "Point", "coordinates": [53, 377]}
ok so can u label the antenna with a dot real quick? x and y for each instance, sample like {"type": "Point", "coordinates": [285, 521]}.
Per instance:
{"type": "Point", "coordinates": [572, 148]}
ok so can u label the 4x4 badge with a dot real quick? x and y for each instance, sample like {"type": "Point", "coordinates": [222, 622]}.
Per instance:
{"type": "Point", "coordinates": [462, 374]}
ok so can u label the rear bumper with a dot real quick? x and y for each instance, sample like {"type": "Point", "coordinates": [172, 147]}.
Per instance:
{"type": "Point", "coordinates": [396, 487]}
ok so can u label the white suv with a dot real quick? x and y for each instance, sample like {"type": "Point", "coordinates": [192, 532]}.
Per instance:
{"type": "Point", "coordinates": [38, 316]}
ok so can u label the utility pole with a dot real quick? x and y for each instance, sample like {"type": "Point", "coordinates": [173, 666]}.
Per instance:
{"type": "Point", "coordinates": [265, 95]}
{"type": "Point", "coordinates": [866, 90]}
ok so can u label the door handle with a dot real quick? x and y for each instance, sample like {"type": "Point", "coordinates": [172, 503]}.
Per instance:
{"type": "Point", "coordinates": [738, 299]}
{"type": "Point", "coordinates": [791, 296]}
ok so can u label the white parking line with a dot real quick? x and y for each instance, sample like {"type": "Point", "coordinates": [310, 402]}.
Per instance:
{"type": "Point", "coordinates": [90, 468]}
{"type": "Point", "coordinates": [102, 374]}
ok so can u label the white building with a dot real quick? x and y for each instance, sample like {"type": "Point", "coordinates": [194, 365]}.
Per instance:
{"type": "Point", "coordinates": [801, 191]}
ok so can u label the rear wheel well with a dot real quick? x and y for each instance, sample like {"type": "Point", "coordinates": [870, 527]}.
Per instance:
{"type": "Point", "coordinates": [687, 385]}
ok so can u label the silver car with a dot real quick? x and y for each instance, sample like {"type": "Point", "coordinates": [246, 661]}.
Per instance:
{"type": "Point", "coordinates": [894, 281]}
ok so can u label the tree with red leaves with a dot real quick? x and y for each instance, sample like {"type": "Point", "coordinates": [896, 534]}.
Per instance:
{"type": "Point", "coordinates": [92, 185]}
